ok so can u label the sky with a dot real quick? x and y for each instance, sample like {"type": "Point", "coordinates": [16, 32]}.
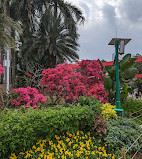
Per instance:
{"type": "Point", "coordinates": [107, 19]}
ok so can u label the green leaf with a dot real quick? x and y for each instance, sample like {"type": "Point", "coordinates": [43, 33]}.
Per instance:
{"type": "Point", "coordinates": [108, 83]}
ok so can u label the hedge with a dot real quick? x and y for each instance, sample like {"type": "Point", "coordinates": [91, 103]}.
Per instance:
{"type": "Point", "coordinates": [132, 105]}
{"type": "Point", "coordinates": [21, 129]}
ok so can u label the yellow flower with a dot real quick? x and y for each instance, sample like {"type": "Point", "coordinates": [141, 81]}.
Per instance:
{"type": "Point", "coordinates": [33, 147]}
{"type": "Point", "coordinates": [77, 133]}
{"type": "Point", "coordinates": [67, 139]}
{"type": "Point", "coordinates": [63, 157]}
{"type": "Point", "coordinates": [21, 153]}
{"type": "Point", "coordinates": [93, 152]}
{"type": "Point", "coordinates": [38, 142]}
{"type": "Point", "coordinates": [57, 137]}
{"type": "Point", "coordinates": [73, 146]}
{"type": "Point", "coordinates": [28, 155]}
{"type": "Point", "coordinates": [105, 155]}
{"type": "Point", "coordinates": [38, 149]}
{"type": "Point", "coordinates": [13, 156]}
{"type": "Point", "coordinates": [44, 141]}
{"type": "Point", "coordinates": [108, 111]}
{"type": "Point", "coordinates": [69, 143]}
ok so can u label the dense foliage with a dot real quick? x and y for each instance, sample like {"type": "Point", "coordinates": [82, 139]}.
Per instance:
{"type": "Point", "coordinates": [90, 101]}
{"type": "Point", "coordinates": [27, 97]}
{"type": "Point", "coordinates": [132, 105]}
{"type": "Point", "coordinates": [122, 133]}
{"type": "Point", "coordinates": [127, 71]}
{"type": "Point", "coordinates": [47, 27]}
{"type": "Point", "coordinates": [65, 81]}
{"type": "Point", "coordinates": [67, 146]}
{"type": "Point", "coordinates": [20, 129]}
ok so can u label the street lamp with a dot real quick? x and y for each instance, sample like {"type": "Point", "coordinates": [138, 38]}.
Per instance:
{"type": "Point", "coordinates": [119, 49]}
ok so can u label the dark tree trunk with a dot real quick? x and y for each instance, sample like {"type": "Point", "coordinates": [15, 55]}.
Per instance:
{"type": "Point", "coordinates": [7, 8]}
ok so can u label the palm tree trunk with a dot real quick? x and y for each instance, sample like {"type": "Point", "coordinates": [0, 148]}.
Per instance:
{"type": "Point", "coordinates": [54, 58]}
{"type": "Point", "coordinates": [7, 8]}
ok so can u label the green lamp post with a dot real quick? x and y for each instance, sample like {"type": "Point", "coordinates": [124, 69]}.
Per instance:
{"type": "Point", "coordinates": [119, 49]}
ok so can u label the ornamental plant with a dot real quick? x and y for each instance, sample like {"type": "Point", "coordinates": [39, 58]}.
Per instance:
{"type": "Point", "coordinates": [27, 97]}
{"type": "Point", "coordinates": [63, 81]}
{"type": "Point", "coordinates": [91, 71]}
{"type": "Point", "coordinates": [68, 82]}
{"type": "Point", "coordinates": [108, 112]}
{"type": "Point", "coordinates": [1, 69]}
{"type": "Point", "coordinates": [67, 146]}
{"type": "Point", "coordinates": [93, 79]}
{"type": "Point", "coordinates": [122, 133]}
{"type": "Point", "coordinates": [98, 92]}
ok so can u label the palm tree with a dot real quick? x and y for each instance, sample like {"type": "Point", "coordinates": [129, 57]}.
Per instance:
{"type": "Point", "coordinates": [33, 15]}
{"type": "Point", "coordinates": [54, 43]}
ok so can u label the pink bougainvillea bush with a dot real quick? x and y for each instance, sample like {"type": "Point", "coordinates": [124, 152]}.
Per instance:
{"type": "Point", "coordinates": [27, 97]}
{"type": "Point", "coordinates": [63, 82]}
{"type": "Point", "coordinates": [92, 72]}
{"type": "Point", "coordinates": [70, 82]}
{"type": "Point", "coordinates": [1, 69]}
{"type": "Point", "coordinates": [99, 92]}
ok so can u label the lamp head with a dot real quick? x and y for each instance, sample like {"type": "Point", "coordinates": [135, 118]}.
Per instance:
{"type": "Point", "coordinates": [122, 43]}
{"type": "Point", "coordinates": [121, 47]}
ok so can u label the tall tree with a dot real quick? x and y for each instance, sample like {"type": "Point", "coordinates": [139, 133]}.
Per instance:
{"type": "Point", "coordinates": [54, 43]}
{"type": "Point", "coordinates": [33, 15]}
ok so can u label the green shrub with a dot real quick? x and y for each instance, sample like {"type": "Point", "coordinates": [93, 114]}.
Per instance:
{"type": "Point", "coordinates": [90, 101]}
{"type": "Point", "coordinates": [20, 129]}
{"type": "Point", "coordinates": [132, 105]}
{"type": "Point", "coordinates": [122, 133]}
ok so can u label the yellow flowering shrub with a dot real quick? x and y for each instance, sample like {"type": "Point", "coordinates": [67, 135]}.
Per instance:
{"type": "Point", "coordinates": [67, 146]}
{"type": "Point", "coordinates": [108, 111]}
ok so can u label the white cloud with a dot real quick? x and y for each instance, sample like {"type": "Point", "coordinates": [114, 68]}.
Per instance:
{"type": "Point", "coordinates": [105, 18]}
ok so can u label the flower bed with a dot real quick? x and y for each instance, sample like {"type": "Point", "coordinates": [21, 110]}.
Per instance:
{"type": "Point", "coordinates": [68, 146]}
